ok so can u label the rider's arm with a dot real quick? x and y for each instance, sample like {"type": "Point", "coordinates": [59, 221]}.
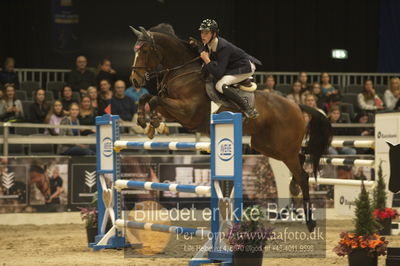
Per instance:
{"type": "Point", "coordinates": [218, 67]}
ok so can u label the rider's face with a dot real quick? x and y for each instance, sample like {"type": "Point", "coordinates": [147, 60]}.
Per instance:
{"type": "Point", "coordinates": [206, 36]}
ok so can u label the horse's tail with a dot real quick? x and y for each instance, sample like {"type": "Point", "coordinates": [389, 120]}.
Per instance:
{"type": "Point", "coordinates": [319, 134]}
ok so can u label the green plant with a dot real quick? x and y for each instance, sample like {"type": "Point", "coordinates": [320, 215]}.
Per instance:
{"type": "Point", "coordinates": [365, 224]}
{"type": "Point", "coordinates": [380, 191]}
{"type": "Point", "coordinates": [249, 234]}
{"type": "Point", "coordinates": [89, 216]}
{"type": "Point", "coordinates": [364, 235]}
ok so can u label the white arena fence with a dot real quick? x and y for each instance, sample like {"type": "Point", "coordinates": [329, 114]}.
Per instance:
{"type": "Point", "coordinates": [340, 79]}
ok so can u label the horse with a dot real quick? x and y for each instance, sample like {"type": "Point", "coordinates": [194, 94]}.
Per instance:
{"type": "Point", "coordinates": [277, 132]}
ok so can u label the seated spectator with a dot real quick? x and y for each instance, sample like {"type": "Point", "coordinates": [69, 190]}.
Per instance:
{"type": "Point", "coordinates": [39, 108]}
{"type": "Point", "coordinates": [362, 118]}
{"type": "Point", "coordinates": [310, 100]}
{"type": "Point", "coordinates": [270, 85]}
{"type": "Point", "coordinates": [81, 78]}
{"type": "Point", "coordinates": [106, 72]}
{"type": "Point", "coordinates": [121, 104]}
{"type": "Point", "coordinates": [316, 91]}
{"type": "Point", "coordinates": [332, 100]}
{"type": "Point", "coordinates": [296, 95]}
{"type": "Point", "coordinates": [334, 116]}
{"type": "Point", "coordinates": [326, 86]}
{"type": "Point", "coordinates": [105, 96]}
{"type": "Point", "coordinates": [11, 109]}
{"type": "Point", "coordinates": [368, 100]}
{"type": "Point", "coordinates": [72, 120]}
{"type": "Point", "coordinates": [87, 115]}
{"type": "Point", "coordinates": [8, 75]}
{"type": "Point", "coordinates": [303, 78]}
{"type": "Point", "coordinates": [54, 117]}
{"type": "Point", "coordinates": [391, 96]}
{"type": "Point", "coordinates": [92, 93]}
{"type": "Point", "coordinates": [135, 93]}
{"type": "Point", "coordinates": [66, 98]}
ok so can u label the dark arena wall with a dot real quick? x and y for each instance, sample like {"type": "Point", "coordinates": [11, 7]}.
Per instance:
{"type": "Point", "coordinates": [284, 35]}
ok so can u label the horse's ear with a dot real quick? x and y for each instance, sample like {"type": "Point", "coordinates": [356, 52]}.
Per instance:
{"type": "Point", "coordinates": [135, 31]}
{"type": "Point", "coordinates": [145, 33]}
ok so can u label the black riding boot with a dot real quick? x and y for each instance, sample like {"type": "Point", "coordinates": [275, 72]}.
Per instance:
{"type": "Point", "coordinates": [232, 94]}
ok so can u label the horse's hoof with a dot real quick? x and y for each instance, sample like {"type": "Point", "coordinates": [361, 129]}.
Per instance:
{"type": "Point", "coordinates": [294, 188]}
{"type": "Point", "coordinates": [149, 131]}
{"type": "Point", "coordinates": [311, 224]}
{"type": "Point", "coordinates": [163, 129]}
{"type": "Point", "coordinates": [141, 121]}
{"type": "Point", "coordinates": [155, 122]}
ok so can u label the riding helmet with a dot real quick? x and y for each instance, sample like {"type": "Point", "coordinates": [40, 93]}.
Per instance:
{"type": "Point", "coordinates": [209, 24]}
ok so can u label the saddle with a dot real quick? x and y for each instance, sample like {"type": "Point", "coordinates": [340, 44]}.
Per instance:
{"type": "Point", "coordinates": [244, 88]}
{"type": "Point", "coordinates": [246, 85]}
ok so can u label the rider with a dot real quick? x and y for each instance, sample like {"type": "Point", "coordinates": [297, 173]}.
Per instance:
{"type": "Point", "coordinates": [227, 63]}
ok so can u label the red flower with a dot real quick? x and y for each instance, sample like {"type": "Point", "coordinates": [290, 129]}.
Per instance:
{"type": "Point", "coordinates": [385, 214]}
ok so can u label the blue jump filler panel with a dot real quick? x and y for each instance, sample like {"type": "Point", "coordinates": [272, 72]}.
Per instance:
{"type": "Point", "coordinates": [226, 164]}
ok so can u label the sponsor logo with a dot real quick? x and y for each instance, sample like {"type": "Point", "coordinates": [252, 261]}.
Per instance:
{"type": "Point", "coordinates": [7, 180]}
{"type": "Point", "coordinates": [107, 147]}
{"type": "Point", "coordinates": [346, 202]}
{"type": "Point", "coordinates": [90, 179]}
{"type": "Point", "coordinates": [386, 136]}
{"type": "Point", "coordinates": [225, 149]}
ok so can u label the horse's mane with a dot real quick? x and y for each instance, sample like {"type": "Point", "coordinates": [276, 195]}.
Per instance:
{"type": "Point", "coordinates": [169, 30]}
{"type": "Point", "coordinates": [164, 28]}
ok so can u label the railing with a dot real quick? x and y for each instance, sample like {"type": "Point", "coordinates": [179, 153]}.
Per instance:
{"type": "Point", "coordinates": [42, 75]}
{"type": "Point", "coordinates": [8, 138]}
{"type": "Point", "coordinates": [340, 79]}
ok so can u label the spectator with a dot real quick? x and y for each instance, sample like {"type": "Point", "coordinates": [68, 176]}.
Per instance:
{"type": "Point", "coordinates": [66, 98]}
{"type": "Point", "coordinates": [54, 117]}
{"type": "Point", "coordinates": [135, 93]}
{"type": "Point", "coordinates": [332, 100]}
{"type": "Point", "coordinates": [106, 72]}
{"type": "Point", "coordinates": [92, 93]}
{"type": "Point", "coordinates": [39, 108]}
{"type": "Point", "coordinates": [303, 78]}
{"type": "Point", "coordinates": [392, 95]}
{"type": "Point", "coordinates": [10, 107]}
{"type": "Point", "coordinates": [105, 96]}
{"type": "Point", "coordinates": [326, 86]}
{"type": "Point", "coordinates": [72, 120]}
{"type": "Point", "coordinates": [311, 101]}
{"type": "Point", "coordinates": [362, 118]}
{"type": "Point", "coordinates": [334, 116]}
{"type": "Point", "coordinates": [270, 85]}
{"type": "Point", "coordinates": [87, 115]}
{"type": "Point", "coordinates": [120, 104]}
{"type": "Point", "coordinates": [316, 91]}
{"type": "Point", "coordinates": [81, 78]}
{"type": "Point", "coordinates": [368, 100]}
{"type": "Point", "coordinates": [296, 95]}
{"type": "Point", "coordinates": [8, 75]}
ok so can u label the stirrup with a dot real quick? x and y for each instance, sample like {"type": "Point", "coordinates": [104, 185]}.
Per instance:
{"type": "Point", "coordinates": [251, 114]}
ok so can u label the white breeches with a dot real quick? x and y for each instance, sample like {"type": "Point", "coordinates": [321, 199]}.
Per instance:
{"type": "Point", "coordinates": [233, 79]}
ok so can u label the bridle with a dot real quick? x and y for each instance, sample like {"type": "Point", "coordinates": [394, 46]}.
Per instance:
{"type": "Point", "coordinates": [153, 72]}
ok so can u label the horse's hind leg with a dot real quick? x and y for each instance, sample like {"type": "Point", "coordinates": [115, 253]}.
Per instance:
{"type": "Point", "coordinates": [295, 165]}
{"type": "Point", "coordinates": [294, 186]}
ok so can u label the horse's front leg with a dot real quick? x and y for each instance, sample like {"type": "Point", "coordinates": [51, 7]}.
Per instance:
{"type": "Point", "coordinates": [155, 116]}
{"type": "Point", "coordinates": [141, 119]}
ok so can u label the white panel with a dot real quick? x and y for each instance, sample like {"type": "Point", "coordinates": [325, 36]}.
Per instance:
{"type": "Point", "coordinates": [224, 150]}
{"type": "Point", "coordinates": [106, 147]}
{"type": "Point", "coordinates": [386, 129]}
{"type": "Point", "coordinates": [344, 199]}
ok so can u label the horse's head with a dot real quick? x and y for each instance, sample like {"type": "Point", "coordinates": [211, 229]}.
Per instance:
{"type": "Point", "coordinates": [146, 57]}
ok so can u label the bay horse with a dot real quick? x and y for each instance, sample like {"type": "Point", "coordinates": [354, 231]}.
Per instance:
{"type": "Point", "coordinates": [277, 132]}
